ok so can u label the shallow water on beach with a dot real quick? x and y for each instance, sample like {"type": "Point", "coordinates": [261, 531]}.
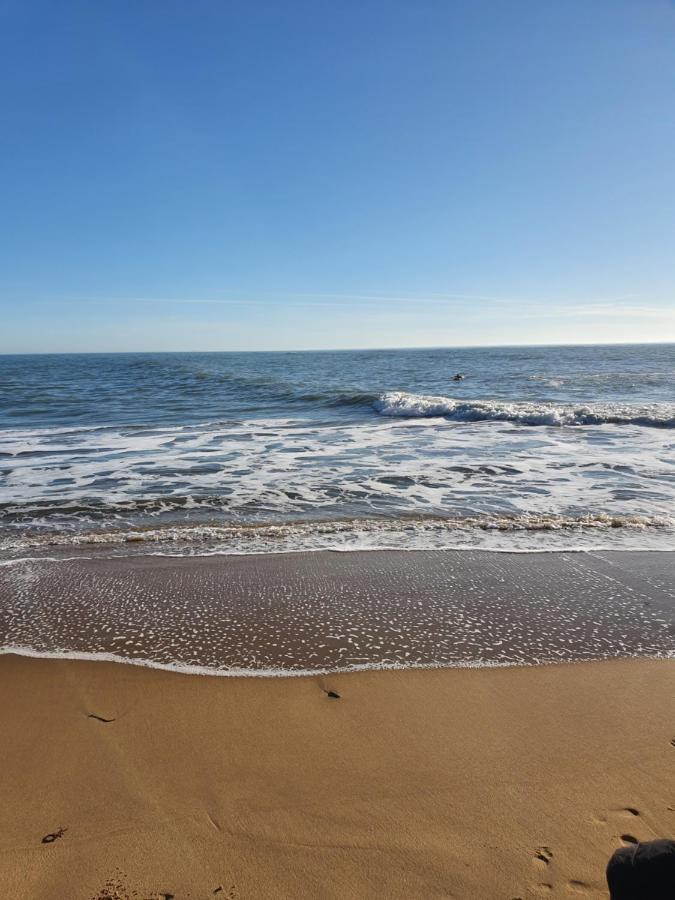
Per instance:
{"type": "Point", "coordinates": [191, 454]}
{"type": "Point", "coordinates": [308, 613]}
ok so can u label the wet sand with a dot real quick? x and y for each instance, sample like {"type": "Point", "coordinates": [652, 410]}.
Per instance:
{"type": "Point", "coordinates": [126, 782]}
{"type": "Point", "coordinates": [317, 611]}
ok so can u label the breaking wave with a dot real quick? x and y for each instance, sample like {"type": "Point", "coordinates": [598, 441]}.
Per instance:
{"type": "Point", "coordinates": [504, 532]}
{"type": "Point", "coordinates": [405, 405]}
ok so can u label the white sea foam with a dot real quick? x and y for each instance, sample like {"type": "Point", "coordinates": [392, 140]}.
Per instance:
{"type": "Point", "coordinates": [405, 405]}
{"type": "Point", "coordinates": [530, 533]}
{"type": "Point", "coordinates": [180, 668]}
{"type": "Point", "coordinates": [249, 672]}
{"type": "Point", "coordinates": [490, 482]}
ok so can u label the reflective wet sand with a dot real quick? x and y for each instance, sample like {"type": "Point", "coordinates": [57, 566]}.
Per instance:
{"type": "Point", "coordinates": [293, 613]}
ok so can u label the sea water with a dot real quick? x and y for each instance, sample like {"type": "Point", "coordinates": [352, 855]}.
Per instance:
{"type": "Point", "coordinates": [537, 448]}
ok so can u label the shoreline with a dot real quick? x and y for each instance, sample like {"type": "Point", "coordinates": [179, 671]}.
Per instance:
{"type": "Point", "coordinates": [206, 672]}
{"type": "Point", "coordinates": [324, 612]}
{"type": "Point", "coordinates": [493, 783]}
{"type": "Point", "coordinates": [221, 553]}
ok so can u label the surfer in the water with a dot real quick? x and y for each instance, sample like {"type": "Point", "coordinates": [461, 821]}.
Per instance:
{"type": "Point", "coordinates": [458, 377]}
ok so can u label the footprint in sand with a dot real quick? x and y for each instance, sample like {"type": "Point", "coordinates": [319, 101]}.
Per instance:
{"type": "Point", "coordinates": [114, 888]}
{"type": "Point", "coordinates": [579, 887]}
{"type": "Point", "coordinates": [617, 820]}
{"type": "Point", "coordinates": [622, 812]}
{"type": "Point", "coordinates": [117, 888]}
{"type": "Point", "coordinates": [543, 855]}
{"type": "Point", "coordinates": [542, 858]}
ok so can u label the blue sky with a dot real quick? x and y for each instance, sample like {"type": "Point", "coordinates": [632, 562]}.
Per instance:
{"type": "Point", "coordinates": [260, 175]}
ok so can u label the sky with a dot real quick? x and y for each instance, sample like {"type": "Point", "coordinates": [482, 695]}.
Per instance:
{"type": "Point", "coordinates": [203, 175]}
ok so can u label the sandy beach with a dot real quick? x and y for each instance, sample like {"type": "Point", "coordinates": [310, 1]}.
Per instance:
{"type": "Point", "coordinates": [126, 782]}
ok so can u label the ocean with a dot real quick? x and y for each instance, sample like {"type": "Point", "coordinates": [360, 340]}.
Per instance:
{"type": "Point", "coordinates": [537, 448]}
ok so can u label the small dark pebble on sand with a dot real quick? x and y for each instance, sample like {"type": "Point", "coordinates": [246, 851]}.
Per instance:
{"type": "Point", "coordinates": [333, 695]}
{"type": "Point", "coordinates": [53, 836]}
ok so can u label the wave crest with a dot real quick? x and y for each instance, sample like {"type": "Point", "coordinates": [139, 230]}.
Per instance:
{"type": "Point", "coordinates": [401, 404]}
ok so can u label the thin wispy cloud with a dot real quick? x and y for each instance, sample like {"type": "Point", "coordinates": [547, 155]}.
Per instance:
{"type": "Point", "coordinates": [610, 310]}
{"type": "Point", "coordinates": [310, 300]}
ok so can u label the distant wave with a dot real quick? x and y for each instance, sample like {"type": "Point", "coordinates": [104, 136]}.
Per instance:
{"type": "Point", "coordinates": [404, 405]}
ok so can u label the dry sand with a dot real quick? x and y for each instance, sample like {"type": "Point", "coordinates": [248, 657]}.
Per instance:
{"type": "Point", "coordinates": [491, 783]}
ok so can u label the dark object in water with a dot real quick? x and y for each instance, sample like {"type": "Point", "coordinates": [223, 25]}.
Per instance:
{"type": "Point", "coordinates": [333, 695]}
{"type": "Point", "coordinates": [458, 377]}
{"type": "Point", "coordinates": [643, 871]}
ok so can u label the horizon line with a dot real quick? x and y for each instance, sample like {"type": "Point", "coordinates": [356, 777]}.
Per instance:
{"type": "Point", "coordinates": [343, 349]}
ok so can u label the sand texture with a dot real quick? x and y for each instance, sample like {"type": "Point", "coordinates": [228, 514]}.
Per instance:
{"type": "Point", "coordinates": [489, 783]}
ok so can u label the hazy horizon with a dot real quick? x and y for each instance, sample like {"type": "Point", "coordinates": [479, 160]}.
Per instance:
{"type": "Point", "coordinates": [339, 349]}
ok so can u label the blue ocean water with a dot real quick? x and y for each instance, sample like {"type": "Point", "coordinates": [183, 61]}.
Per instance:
{"type": "Point", "coordinates": [535, 448]}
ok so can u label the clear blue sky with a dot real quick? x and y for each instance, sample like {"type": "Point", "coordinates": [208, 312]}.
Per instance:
{"type": "Point", "coordinates": [260, 175]}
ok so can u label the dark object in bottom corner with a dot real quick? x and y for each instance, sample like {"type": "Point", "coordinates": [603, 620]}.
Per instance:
{"type": "Point", "coordinates": [644, 871]}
